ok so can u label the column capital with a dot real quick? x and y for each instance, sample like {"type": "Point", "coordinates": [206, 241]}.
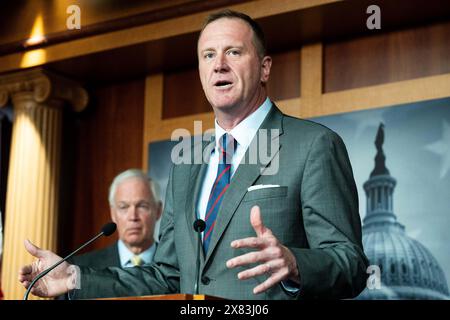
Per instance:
{"type": "Point", "coordinates": [44, 85]}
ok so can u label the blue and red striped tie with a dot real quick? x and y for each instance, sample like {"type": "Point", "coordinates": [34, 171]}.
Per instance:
{"type": "Point", "coordinates": [220, 186]}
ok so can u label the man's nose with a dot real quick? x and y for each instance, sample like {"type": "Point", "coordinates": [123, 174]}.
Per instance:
{"type": "Point", "coordinates": [133, 213]}
{"type": "Point", "coordinates": [220, 63]}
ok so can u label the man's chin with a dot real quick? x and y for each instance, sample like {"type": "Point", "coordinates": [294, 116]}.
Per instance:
{"type": "Point", "coordinates": [224, 106]}
{"type": "Point", "coordinates": [134, 240]}
{"type": "Point", "coordinates": [136, 244]}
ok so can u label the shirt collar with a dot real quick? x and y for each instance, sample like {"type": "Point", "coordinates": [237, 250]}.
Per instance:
{"type": "Point", "coordinates": [125, 254]}
{"type": "Point", "coordinates": [244, 132]}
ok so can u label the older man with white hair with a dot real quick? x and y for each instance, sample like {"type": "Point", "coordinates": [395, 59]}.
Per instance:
{"type": "Point", "coordinates": [135, 207]}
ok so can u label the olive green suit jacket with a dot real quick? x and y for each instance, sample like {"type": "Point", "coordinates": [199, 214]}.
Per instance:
{"type": "Point", "coordinates": [312, 208]}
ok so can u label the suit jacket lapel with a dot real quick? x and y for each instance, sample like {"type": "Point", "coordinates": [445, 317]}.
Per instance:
{"type": "Point", "coordinates": [113, 252]}
{"type": "Point", "coordinates": [244, 177]}
{"type": "Point", "coordinates": [197, 173]}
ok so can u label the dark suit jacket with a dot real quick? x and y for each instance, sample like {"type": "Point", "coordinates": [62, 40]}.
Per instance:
{"type": "Point", "coordinates": [314, 213]}
{"type": "Point", "coordinates": [102, 258]}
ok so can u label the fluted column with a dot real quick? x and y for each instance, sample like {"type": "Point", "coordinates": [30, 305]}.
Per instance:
{"type": "Point", "coordinates": [32, 198]}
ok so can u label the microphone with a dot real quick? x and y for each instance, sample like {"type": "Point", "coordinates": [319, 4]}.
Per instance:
{"type": "Point", "coordinates": [107, 230]}
{"type": "Point", "coordinates": [199, 227]}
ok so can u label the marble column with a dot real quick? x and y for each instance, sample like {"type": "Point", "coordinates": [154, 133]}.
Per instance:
{"type": "Point", "coordinates": [32, 200]}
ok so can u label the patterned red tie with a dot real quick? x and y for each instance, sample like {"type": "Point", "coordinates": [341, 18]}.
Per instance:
{"type": "Point", "coordinates": [220, 186]}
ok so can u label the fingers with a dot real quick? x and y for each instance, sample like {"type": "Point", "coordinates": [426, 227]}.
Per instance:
{"type": "Point", "coordinates": [276, 268]}
{"type": "Point", "coordinates": [270, 253]}
{"type": "Point", "coordinates": [251, 242]}
{"type": "Point", "coordinates": [269, 283]}
{"type": "Point", "coordinates": [265, 268]}
{"type": "Point", "coordinates": [251, 257]}
{"type": "Point", "coordinates": [26, 270]}
{"type": "Point", "coordinates": [256, 221]}
{"type": "Point", "coordinates": [23, 279]}
{"type": "Point", "coordinates": [32, 249]}
{"type": "Point", "coordinates": [25, 274]}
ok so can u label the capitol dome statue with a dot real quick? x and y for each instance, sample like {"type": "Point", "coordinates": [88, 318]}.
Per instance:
{"type": "Point", "coordinates": [408, 270]}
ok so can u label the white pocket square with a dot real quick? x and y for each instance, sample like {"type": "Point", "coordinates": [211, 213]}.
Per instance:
{"type": "Point", "coordinates": [263, 186]}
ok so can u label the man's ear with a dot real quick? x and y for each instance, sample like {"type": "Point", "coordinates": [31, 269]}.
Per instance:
{"type": "Point", "coordinates": [266, 64]}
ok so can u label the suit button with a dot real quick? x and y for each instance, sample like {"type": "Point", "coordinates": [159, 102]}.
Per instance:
{"type": "Point", "coordinates": [205, 280]}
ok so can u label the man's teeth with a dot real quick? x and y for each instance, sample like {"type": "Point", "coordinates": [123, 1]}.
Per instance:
{"type": "Point", "coordinates": [223, 84]}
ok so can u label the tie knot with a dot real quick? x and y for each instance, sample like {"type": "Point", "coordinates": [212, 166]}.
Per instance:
{"type": "Point", "coordinates": [136, 261]}
{"type": "Point", "coordinates": [227, 146]}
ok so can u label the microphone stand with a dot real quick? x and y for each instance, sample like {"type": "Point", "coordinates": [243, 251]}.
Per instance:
{"type": "Point", "coordinates": [199, 227]}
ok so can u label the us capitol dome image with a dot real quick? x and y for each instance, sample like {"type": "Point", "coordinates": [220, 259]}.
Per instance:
{"type": "Point", "coordinates": [408, 269]}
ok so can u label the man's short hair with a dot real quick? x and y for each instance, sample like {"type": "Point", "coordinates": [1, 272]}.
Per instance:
{"type": "Point", "coordinates": [258, 34]}
{"type": "Point", "coordinates": [133, 173]}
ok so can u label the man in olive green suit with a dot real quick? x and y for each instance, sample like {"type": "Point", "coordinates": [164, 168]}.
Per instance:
{"type": "Point", "coordinates": [285, 225]}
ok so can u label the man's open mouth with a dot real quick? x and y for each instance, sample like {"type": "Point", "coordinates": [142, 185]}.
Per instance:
{"type": "Point", "coordinates": [223, 84]}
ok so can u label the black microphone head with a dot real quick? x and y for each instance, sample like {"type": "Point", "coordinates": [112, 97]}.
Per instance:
{"type": "Point", "coordinates": [109, 228]}
{"type": "Point", "coordinates": [199, 225]}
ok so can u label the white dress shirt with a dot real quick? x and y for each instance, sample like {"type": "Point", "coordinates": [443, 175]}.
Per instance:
{"type": "Point", "coordinates": [125, 255]}
{"type": "Point", "coordinates": [243, 133]}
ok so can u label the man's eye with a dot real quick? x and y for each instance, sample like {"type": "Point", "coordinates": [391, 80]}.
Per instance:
{"type": "Point", "coordinates": [234, 52]}
{"type": "Point", "coordinates": [208, 55]}
{"type": "Point", "coordinates": [143, 206]}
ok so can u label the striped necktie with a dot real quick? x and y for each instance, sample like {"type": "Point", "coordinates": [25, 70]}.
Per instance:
{"type": "Point", "coordinates": [220, 186]}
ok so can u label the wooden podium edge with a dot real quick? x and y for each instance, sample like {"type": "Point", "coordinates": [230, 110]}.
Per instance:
{"type": "Point", "coordinates": [177, 296]}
